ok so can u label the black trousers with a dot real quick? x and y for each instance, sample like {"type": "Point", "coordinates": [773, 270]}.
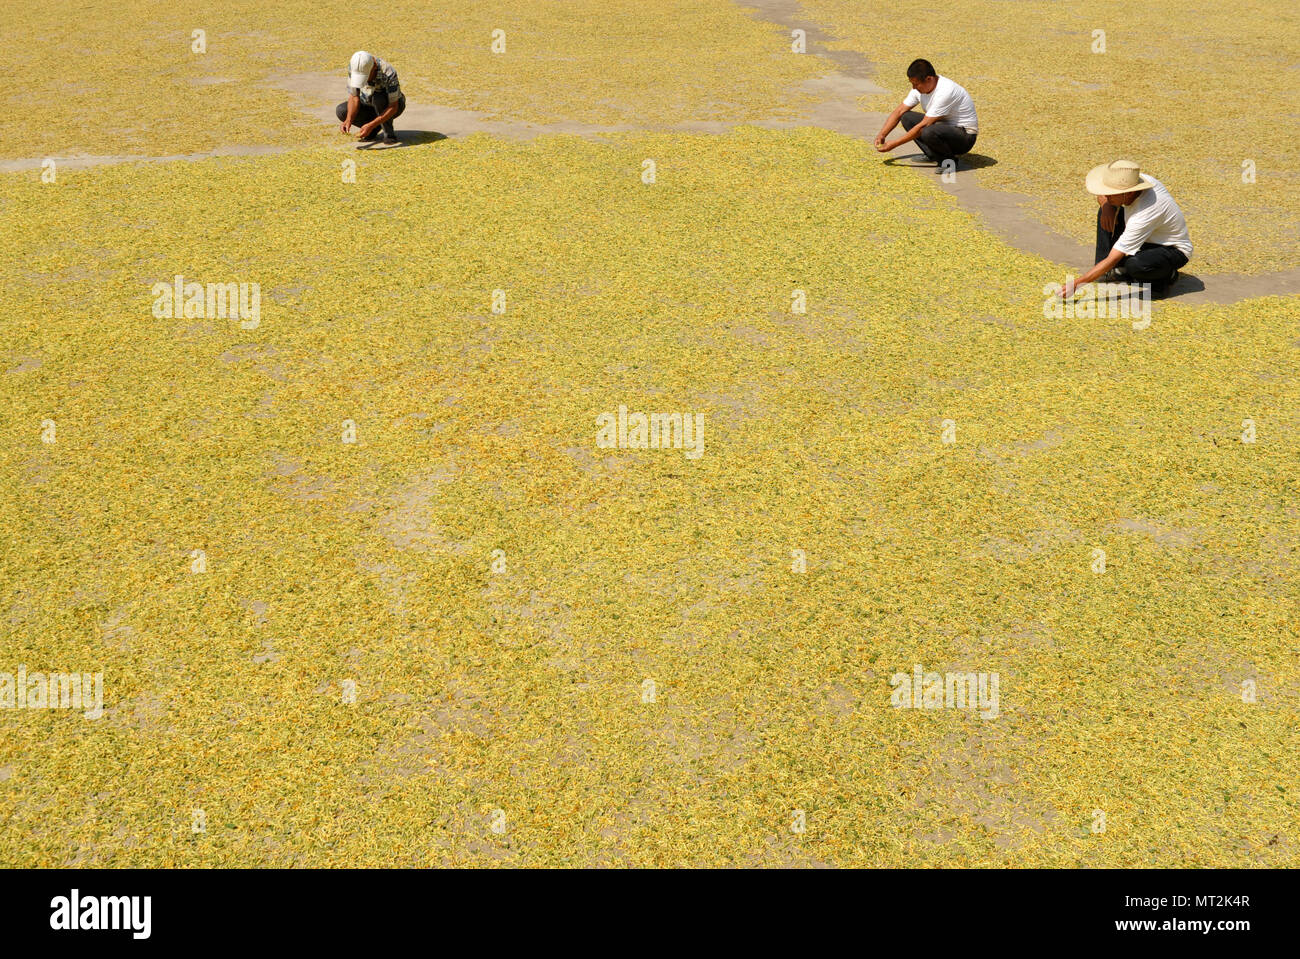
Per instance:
{"type": "Point", "coordinates": [939, 141]}
{"type": "Point", "coordinates": [1152, 263]}
{"type": "Point", "coordinates": [368, 111]}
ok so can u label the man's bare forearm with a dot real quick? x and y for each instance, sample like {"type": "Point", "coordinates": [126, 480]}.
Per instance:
{"type": "Point", "coordinates": [1111, 261]}
{"type": "Point", "coordinates": [890, 122]}
{"type": "Point", "coordinates": [910, 135]}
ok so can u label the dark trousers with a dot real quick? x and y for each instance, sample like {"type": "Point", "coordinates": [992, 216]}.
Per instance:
{"type": "Point", "coordinates": [939, 141]}
{"type": "Point", "coordinates": [1152, 263]}
{"type": "Point", "coordinates": [368, 111]}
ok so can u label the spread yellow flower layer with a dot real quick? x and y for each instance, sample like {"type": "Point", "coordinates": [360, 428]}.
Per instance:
{"type": "Point", "coordinates": [495, 589]}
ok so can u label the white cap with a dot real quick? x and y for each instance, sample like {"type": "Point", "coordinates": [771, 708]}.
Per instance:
{"type": "Point", "coordinates": [359, 69]}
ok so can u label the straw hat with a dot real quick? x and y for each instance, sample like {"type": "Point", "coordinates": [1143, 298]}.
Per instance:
{"type": "Point", "coordinates": [1122, 176]}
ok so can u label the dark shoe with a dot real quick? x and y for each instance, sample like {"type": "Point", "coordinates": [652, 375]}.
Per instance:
{"type": "Point", "coordinates": [1161, 290]}
{"type": "Point", "coordinates": [385, 141]}
{"type": "Point", "coordinates": [381, 141]}
{"type": "Point", "coordinates": [371, 138]}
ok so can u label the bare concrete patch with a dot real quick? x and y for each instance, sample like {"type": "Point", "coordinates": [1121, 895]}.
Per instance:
{"type": "Point", "coordinates": [750, 335]}
{"type": "Point", "coordinates": [26, 364]}
{"type": "Point", "coordinates": [592, 464]}
{"type": "Point", "coordinates": [256, 354]}
{"type": "Point", "coordinates": [523, 614]}
{"type": "Point", "coordinates": [1035, 542]}
{"type": "Point", "coordinates": [789, 15]}
{"type": "Point", "coordinates": [408, 524]}
{"type": "Point", "coordinates": [301, 487]}
{"type": "Point", "coordinates": [145, 713]}
{"type": "Point", "coordinates": [257, 608]}
{"type": "Point", "coordinates": [86, 160]}
{"type": "Point", "coordinates": [731, 409]}
{"type": "Point", "coordinates": [114, 630]}
{"type": "Point", "coordinates": [969, 777]}
{"type": "Point", "coordinates": [836, 107]}
{"type": "Point", "coordinates": [840, 701]}
{"type": "Point", "coordinates": [1164, 535]}
{"type": "Point", "coordinates": [1001, 453]}
{"type": "Point", "coordinates": [1016, 637]}
{"type": "Point", "coordinates": [396, 583]}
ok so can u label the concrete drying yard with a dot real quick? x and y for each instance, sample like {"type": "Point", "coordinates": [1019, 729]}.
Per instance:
{"type": "Point", "coordinates": [592, 479]}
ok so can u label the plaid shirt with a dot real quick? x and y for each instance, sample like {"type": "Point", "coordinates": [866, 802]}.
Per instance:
{"type": "Point", "coordinates": [385, 82]}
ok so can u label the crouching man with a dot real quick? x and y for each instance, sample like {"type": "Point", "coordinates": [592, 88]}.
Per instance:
{"type": "Point", "coordinates": [949, 126]}
{"type": "Point", "coordinates": [374, 99]}
{"type": "Point", "coordinates": [1141, 234]}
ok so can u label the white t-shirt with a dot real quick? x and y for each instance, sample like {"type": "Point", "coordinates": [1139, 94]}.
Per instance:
{"type": "Point", "coordinates": [1154, 217]}
{"type": "Point", "coordinates": [948, 100]}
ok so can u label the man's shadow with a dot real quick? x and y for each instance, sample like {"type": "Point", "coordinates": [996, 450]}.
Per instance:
{"type": "Point", "coordinates": [412, 138]}
{"type": "Point", "coordinates": [1187, 283]}
{"type": "Point", "coordinates": [968, 161]}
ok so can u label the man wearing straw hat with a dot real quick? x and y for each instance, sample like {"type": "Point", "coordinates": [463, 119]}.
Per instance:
{"type": "Point", "coordinates": [1141, 233]}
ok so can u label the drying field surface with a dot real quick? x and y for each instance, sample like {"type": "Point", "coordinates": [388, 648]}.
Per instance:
{"type": "Point", "coordinates": [366, 585]}
{"type": "Point", "coordinates": [1203, 94]}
